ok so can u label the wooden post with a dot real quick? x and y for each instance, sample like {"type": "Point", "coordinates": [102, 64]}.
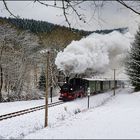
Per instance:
{"type": "Point", "coordinates": [114, 82]}
{"type": "Point", "coordinates": [46, 98]}
{"type": "Point", "coordinates": [88, 101]}
{"type": "Point", "coordinates": [88, 95]}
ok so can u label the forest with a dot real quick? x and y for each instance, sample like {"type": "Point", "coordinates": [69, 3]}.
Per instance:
{"type": "Point", "coordinates": [22, 63]}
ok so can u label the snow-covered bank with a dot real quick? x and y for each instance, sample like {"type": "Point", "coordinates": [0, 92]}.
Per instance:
{"type": "Point", "coordinates": [118, 118]}
{"type": "Point", "coordinates": [22, 126]}
{"type": "Point", "coordinates": [9, 107]}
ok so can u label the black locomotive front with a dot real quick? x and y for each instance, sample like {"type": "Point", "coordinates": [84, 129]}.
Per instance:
{"type": "Point", "coordinates": [74, 88]}
{"type": "Point", "coordinates": [66, 92]}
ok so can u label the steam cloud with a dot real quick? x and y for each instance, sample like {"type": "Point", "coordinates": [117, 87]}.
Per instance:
{"type": "Point", "coordinates": [97, 52]}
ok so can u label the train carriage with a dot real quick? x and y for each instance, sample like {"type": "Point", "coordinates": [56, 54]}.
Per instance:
{"type": "Point", "coordinates": [77, 87]}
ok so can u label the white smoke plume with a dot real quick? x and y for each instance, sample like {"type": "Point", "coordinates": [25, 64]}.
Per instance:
{"type": "Point", "coordinates": [97, 52]}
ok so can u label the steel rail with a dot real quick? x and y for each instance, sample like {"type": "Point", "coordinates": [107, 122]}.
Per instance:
{"type": "Point", "coordinates": [29, 110]}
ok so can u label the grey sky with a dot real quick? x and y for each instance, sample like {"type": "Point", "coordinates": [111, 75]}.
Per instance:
{"type": "Point", "coordinates": [112, 15]}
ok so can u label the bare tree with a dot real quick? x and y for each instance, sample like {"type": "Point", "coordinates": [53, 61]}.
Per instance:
{"type": "Point", "coordinates": [1, 74]}
{"type": "Point", "coordinates": [134, 6]}
{"type": "Point", "coordinates": [70, 5]}
{"type": "Point", "coordinates": [4, 45]}
{"type": "Point", "coordinates": [17, 51]}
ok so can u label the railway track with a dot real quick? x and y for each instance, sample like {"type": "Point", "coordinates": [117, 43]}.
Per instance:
{"type": "Point", "coordinates": [29, 110]}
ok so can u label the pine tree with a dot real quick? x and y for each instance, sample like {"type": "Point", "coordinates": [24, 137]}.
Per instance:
{"type": "Point", "coordinates": [42, 81]}
{"type": "Point", "coordinates": [133, 62]}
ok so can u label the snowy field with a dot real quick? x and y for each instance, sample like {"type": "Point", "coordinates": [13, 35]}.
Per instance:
{"type": "Point", "coordinates": [16, 106]}
{"type": "Point", "coordinates": [108, 117]}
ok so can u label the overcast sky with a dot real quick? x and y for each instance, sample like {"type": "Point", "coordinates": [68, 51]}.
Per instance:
{"type": "Point", "coordinates": [112, 15]}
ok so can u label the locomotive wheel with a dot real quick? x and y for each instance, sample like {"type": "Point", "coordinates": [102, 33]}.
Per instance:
{"type": "Point", "coordinates": [79, 96]}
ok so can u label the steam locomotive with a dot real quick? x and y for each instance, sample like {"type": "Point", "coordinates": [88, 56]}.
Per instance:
{"type": "Point", "coordinates": [77, 87]}
{"type": "Point", "coordinates": [73, 88]}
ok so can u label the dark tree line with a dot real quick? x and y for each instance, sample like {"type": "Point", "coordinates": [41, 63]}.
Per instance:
{"type": "Point", "coordinates": [43, 26]}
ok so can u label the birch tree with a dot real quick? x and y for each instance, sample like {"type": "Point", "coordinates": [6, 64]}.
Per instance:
{"type": "Point", "coordinates": [17, 51]}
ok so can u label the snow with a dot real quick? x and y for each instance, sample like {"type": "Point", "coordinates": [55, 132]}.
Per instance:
{"type": "Point", "coordinates": [108, 117]}
{"type": "Point", "coordinates": [96, 52]}
{"type": "Point", "coordinates": [23, 125]}
{"type": "Point", "coordinates": [16, 106]}
{"type": "Point", "coordinates": [119, 118]}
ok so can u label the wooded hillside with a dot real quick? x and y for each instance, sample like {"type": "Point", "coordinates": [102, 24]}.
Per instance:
{"type": "Point", "coordinates": [21, 63]}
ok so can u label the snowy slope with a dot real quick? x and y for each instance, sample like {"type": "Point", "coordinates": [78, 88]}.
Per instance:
{"type": "Point", "coordinates": [23, 125]}
{"type": "Point", "coordinates": [119, 118]}
{"type": "Point", "coordinates": [16, 106]}
{"type": "Point", "coordinates": [108, 117]}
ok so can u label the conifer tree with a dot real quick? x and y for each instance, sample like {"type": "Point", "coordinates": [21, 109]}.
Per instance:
{"type": "Point", "coordinates": [133, 62]}
{"type": "Point", "coordinates": [42, 82]}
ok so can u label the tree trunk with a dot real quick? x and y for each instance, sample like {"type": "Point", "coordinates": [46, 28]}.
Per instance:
{"type": "Point", "coordinates": [35, 76]}
{"type": "Point", "coordinates": [1, 82]}
{"type": "Point", "coordinates": [1, 73]}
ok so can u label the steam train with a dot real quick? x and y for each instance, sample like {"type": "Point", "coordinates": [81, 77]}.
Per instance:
{"type": "Point", "coordinates": [73, 88]}
{"type": "Point", "coordinates": [77, 87]}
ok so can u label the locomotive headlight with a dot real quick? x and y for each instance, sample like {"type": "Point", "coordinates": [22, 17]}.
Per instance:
{"type": "Point", "coordinates": [71, 89]}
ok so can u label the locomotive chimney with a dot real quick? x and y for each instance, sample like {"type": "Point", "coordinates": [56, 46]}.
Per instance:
{"type": "Point", "coordinates": [67, 79]}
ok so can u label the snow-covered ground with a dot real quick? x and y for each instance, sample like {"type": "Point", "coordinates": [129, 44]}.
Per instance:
{"type": "Point", "coordinates": [108, 117]}
{"type": "Point", "coordinates": [16, 106]}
